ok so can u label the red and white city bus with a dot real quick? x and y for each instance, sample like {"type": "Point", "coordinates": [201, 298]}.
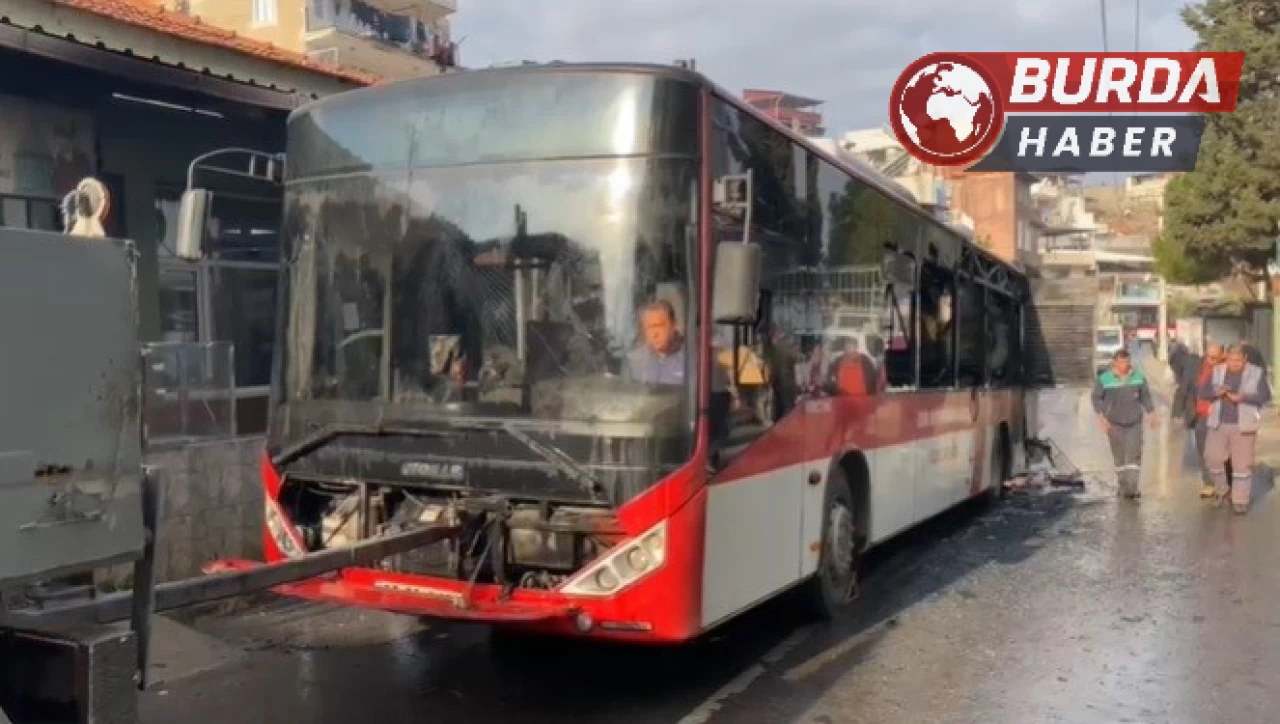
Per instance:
{"type": "Point", "coordinates": [595, 317]}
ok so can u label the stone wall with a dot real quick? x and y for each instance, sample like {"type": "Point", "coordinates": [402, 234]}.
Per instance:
{"type": "Point", "coordinates": [212, 505]}
{"type": "Point", "coordinates": [1059, 330]}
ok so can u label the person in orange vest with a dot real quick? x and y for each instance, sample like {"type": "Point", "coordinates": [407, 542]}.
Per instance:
{"type": "Point", "coordinates": [1213, 355]}
{"type": "Point", "coordinates": [855, 372]}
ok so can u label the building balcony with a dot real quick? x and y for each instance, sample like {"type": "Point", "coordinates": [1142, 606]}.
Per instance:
{"type": "Point", "coordinates": [385, 60]}
{"type": "Point", "coordinates": [428, 11]}
{"type": "Point", "coordinates": [804, 121]}
{"type": "Point", "coordinates": [358, 35]}
{"type": "Point", "coordinates": [928, 189]}
{"type": "Point", "coordinates": [1130, 290]}
{"type": "Point", "coordinates": [1071, 242]}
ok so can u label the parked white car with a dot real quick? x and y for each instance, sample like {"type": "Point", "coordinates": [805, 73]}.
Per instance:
{"type": "Point", "coordinates": [1107, 341]}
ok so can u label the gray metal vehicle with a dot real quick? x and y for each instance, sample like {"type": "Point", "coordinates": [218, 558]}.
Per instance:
{"type": "Point", "coordinates": [75, 495]}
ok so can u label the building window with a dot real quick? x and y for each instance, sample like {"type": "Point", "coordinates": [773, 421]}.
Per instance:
{"type": "Point", "coordinates": [230, 295]}
{"type": "Point", "coordinates": [179, 309]}
{"type": "Point", "coordinates": [320, 14]}
{"type": "Point", "coordinates": [21, 212]}
{"type": "Point", "coordinates": [265, 12]}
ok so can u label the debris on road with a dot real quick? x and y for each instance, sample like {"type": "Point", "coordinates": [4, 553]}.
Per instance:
{"type": "Point", "coordinates": [1047, 467]}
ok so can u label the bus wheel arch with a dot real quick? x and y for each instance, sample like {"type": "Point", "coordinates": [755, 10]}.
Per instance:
{"type": "Point", "coordinates": [844, 518]}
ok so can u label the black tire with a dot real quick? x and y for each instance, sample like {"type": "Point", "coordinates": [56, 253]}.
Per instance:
{"type": "Point", "coordinates": [835, 584]}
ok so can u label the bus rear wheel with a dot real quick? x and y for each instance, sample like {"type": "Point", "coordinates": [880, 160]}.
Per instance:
{"type": "Point", "coordinates": [835, 584]}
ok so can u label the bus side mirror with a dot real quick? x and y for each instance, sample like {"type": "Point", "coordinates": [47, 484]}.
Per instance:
{"type": "Point", "coordinates": [193, 216]}
{"type": "Point", "coordinates": [735, 299]}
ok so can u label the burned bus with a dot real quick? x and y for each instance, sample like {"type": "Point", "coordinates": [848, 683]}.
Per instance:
{"type": "Point", "coordinates": [545, 306]}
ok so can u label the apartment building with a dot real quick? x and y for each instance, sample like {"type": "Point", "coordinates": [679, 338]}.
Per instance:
{"type": "Point", "coordinates": [998, 208]}
{"type": "Point", "coordinates": [799, 113]}
{"type": "Point", "coordinates": [1070, 225]}
{"type": "Point", "coordinates": [390, 39]}
{"type": "Point", "coordinates": [1006, 218]}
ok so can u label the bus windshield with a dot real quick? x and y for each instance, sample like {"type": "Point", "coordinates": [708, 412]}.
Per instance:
{"type": "Point", "coordinates": [540, 296]}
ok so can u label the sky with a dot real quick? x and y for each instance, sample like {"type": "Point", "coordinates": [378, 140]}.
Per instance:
{"type": "Point", "coordinates": [846, 52]}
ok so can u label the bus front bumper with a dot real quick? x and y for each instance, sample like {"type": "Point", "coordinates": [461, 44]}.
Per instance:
{"type": "Point", "coordinates": [435, 598]}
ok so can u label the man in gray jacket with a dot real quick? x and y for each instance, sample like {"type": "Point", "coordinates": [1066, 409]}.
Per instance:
{"type": "Point", "coordinates": [1121, 398]}
{"type": "Point", "coordinates": [1237, 390]}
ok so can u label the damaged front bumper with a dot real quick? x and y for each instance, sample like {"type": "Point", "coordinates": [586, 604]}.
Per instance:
{"type": "Point", "coordinates": [419, 596]}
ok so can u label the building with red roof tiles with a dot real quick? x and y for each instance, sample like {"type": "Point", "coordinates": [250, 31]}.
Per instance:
{"type": "Point", "coordinates": [130, 92]}
{"type": "Point", "coordinates": [154, 15]}
{"type": "Point", "coordinates": [385, 39]}
{"type": "Point", "coordinates": [796, 112]}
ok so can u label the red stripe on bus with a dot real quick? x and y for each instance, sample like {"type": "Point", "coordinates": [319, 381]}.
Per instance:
{"type": "Point", "coordinates": [827, 427]}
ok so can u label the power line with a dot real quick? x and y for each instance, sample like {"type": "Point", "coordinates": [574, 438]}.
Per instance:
{"type": "Point", "coordinates": [1103, 5]}
{"type": "Point", "coordinates": [1137, 24]}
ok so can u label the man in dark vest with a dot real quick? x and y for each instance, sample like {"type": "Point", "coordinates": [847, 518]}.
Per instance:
{"type": "Point", "coordinates": [1121, 398]}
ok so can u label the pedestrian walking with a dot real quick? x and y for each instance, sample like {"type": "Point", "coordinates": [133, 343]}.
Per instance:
{"type": "Point", "coordinates": [1178, 356]}
{"type": "Point", "coordinates": [1121, 398]}
{"type": "Point", "coordinates": [1236, 391]}
{"type": "Point", "coordinates": [1214, 355]}
{"type": "Point", "coordinates": [1185, 365]}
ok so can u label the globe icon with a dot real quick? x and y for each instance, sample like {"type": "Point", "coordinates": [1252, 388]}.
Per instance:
{"type": "Point", "coordinates": [947, 110]}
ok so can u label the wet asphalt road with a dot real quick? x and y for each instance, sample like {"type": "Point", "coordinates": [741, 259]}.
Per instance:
{"type": "Point", "coordinates": [1047, 607]}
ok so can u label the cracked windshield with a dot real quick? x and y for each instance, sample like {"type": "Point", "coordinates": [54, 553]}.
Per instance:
{"type": "Point", "coordinates": [474, 260]}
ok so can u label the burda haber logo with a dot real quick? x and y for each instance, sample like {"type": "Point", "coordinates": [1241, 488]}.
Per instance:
{"type": "Point", "coordinates": [1132, 112]}
{"type": "Point", "coordinates": [946, 111]}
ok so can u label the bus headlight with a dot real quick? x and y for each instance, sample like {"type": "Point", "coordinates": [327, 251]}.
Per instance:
{"type": "Point", "coordinates": [637, 559]}
{"type": "Point", "coordinates": [279, 531]}
{"type": "Point", "coordinates": [605, 580]}
{"type": "Point", "coordinates": [655, 543]}
{"type": "Point", "coordinates": [622, 566]}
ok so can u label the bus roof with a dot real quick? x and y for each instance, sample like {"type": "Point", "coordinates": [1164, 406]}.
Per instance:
{"type": "Point", "coordinates": [861, 171]}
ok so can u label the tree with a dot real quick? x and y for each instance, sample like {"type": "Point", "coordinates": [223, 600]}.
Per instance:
{"type": "Point", "coordinates": [862, 220]}
{"type": "Point", "coordinates": [1223, 217]}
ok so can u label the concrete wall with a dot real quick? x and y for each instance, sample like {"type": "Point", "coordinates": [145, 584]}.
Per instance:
{"type": "Point", "coordinates": [998, 203]}
{"type": "Point", "coordinates": [212, 505]}
{"type": "Point", "coordinates": [237, 15]}
{"type": "Point", "coordinates": [989, 199]}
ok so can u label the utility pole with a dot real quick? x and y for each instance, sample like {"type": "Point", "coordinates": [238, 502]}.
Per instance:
{"type": "Point", "coordinates": [1103, 6]}
{"type": "Point", "coordinates": [1137, 25]}
{"type": "Point", "coordinates": [1275, 311]}
{"type": "Point", "coordinates": [1162, 322]}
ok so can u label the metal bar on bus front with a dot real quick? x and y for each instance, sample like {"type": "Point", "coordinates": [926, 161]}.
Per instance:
{"type": "Point", "coordinates": [216, 587]}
